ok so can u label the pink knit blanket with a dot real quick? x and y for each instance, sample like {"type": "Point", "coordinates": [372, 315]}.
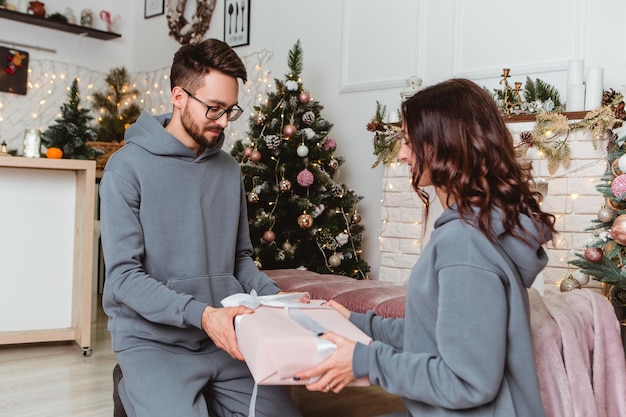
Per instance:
{"type": "Point", "coordinates": [579, 354]}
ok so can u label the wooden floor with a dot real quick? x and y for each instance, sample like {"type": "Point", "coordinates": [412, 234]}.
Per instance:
{"type": "Point", "coordinates": [55, 380]}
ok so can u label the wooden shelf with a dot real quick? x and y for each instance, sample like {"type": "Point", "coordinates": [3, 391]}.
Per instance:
{"type": "Point", "coordinates": [520, 118]}
{"type": "Point", "coordinates": [51, 24]}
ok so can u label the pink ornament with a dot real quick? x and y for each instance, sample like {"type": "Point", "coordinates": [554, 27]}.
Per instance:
{"type": "Point", "coordinates": [289, 130]}
{"type": "Point", "coordinates": [619, 185]}
{"type": "Point", "coordinates": [269, 236]}
{"type": "Point", "coordinates": [329, 144]}
{"type": "Point", "coordinates": [247, 151]}
{"type": "Point", "coordinates": [305, 178]}
{"type": "Point", "coordinates": [304, 97]}
{"type": "Point", "coordinates": [256, 156]}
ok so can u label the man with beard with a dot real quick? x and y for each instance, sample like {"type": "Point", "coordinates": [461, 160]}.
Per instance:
{"type": "Point", "coordinates": [176, 242]}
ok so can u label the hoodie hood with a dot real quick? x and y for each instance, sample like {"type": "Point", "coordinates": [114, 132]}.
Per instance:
{"type": "Point", "coordinates": [149, 133]}
{"type": "Point", "coordinates": [529, 257]}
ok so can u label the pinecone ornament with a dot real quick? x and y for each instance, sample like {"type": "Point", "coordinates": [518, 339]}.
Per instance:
{"type": "Point", "coordinates": [273, 141]}
{"type": "Point", "coordinates": [308, 117]}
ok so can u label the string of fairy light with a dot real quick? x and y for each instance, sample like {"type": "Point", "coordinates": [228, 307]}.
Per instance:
{"type": "Point", "coordinates": [49, 82]}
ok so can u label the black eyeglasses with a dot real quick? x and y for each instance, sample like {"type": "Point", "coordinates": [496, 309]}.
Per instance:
{"type": "Point", "coordinates": [214, 112]}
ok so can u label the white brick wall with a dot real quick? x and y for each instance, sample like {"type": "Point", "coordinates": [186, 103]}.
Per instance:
{"type": "Point", "coordinates": [570, 195]}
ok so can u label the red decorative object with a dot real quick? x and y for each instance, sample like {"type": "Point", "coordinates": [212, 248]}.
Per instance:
{"type": "Point", "coordinates": [37, 8]}
{"type": "Point", "coordinates": [618, 230]}
{"type": "Point", "coordinates": [289, 130]}
{"type": "Point", "coordinates": [593, 254]}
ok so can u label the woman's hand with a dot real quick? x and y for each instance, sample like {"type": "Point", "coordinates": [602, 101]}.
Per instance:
{"type": "Point", "coordinates": [340, 308]}
{"type": "Point", "coordinates": [305, 298]}
{"type": "Point", "coordinates": [336, 371]}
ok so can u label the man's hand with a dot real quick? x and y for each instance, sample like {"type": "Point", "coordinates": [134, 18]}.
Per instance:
{"type": "Point", "coordinates": [219, 324]}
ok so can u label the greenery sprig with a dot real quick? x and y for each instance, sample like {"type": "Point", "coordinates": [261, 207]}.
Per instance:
{"type": "Point", "coordinates": [386, 136]}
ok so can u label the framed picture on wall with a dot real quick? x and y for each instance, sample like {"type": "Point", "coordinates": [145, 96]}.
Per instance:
{"type": "Point", "coordinates": [237, 22]}
{"type": "Point", "coordinates": [153, 8]}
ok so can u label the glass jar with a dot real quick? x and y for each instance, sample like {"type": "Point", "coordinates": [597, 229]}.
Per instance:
{"type": "Point", "coordinates": [32, 143]}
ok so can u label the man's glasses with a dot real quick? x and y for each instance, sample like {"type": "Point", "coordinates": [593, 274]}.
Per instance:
{"type": "Point", "coordinates": [214, 113]}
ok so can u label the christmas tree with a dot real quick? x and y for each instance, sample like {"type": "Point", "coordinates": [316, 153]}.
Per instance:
{"type": "Point", "coordinates": [72, 130]}
{"type": "Point", "coordinates": [604, 257]}
{"type": "Point", "coordinates": [117, 111]}
{"type": "Point", "coordinates": [299, 216]}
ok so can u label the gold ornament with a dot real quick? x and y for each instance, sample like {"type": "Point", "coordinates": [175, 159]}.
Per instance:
{"type": "Point", "coordinates": [259, 119]}
{"type": "Point", "coordinates": [615, 205]}
{"type": "Point", "coordinates": [253, 197]}
{"type": "Point", "coordinates": [356, 218]}
{"type": "Point", "coordinates": [284, 186]}
{"type": "Point", "coordinates": [606, 214]}
{"type": "Point", "coordinates": [305, 221]}
{"type": "Point", "coordinates": [615, 168]}
{"type": "Point", "coordinates": [570, 283]}
{"type": "Point", "coordinates": [618, 230]}
{"type": "Point", "coordinates": [334, 260]}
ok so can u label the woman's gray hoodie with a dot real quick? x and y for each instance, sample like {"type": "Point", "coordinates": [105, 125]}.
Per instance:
{"type": "Point", "coordinates": [464, 347]}
{"type": "Point", "coordinates": [175, 238]}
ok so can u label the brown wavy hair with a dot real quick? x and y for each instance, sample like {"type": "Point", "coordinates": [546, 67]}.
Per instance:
{"type": "Point", "coordinates": [192, 62]}
{"type": "Point", "coordinates": [456, 131]}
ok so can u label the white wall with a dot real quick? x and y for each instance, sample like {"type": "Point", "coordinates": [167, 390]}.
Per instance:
{"type": "Point", "coordinates": [359, 51]}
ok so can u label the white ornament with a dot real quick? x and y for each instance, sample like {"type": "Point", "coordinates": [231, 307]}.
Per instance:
{"type": "Point", "coordinates": [532, 153]}
{"type": "Point", "coordinates": [622, 163]}
{"type": "Point", "coordinates": [334, 260]}
{"type": "Point", "coordinates": [308, 132]}
{"type": "Point", "coordinates": [342, 238]}
{"type": "Point", "coordinates": [302, 150]}
{"type": "Point", "coordinates": [291, 85]}
{"type": "Point", "coordinates": [580, 277]}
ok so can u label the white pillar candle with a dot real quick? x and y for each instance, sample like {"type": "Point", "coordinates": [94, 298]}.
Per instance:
{"type": "Point", "coordinates": [575, 71]}
{"type": "Point", "coordinates": [594, 87]}
{"type": "Point", "coordinates": [393, 117]}
{"type": "Point", "coordinates": [575, 97]}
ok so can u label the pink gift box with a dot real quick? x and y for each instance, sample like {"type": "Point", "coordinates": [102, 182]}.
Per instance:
{"type": "Point", "coordinates": [276, 347]}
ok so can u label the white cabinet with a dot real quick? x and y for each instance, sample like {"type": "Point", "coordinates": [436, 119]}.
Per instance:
{"type": "Point", "coordinates": [46, 250]}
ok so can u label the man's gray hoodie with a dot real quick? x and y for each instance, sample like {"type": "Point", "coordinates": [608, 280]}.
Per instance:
{"type": "Point", "coordinates": [464, 347]}
{"type": "Point", "coordinates": [175, 238]}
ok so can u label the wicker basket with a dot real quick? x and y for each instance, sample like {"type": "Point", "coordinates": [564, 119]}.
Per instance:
{"type": "Point", "coordinates": [108, 148]}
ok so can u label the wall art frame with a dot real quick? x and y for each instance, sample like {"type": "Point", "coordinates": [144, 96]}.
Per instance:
{"type": "Point", "coordinates": [153, 8]}
{"type": "Point", "coordinates": [237, 22]}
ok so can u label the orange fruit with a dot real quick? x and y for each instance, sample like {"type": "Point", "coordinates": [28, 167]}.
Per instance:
{"type": "Point", "coordinates": [54, 153]}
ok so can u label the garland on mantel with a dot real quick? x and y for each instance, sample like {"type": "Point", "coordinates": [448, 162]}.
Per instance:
{"type": "Point", "coordinates": [551, 131]}
{"type": "Point", "coordinates": [189, 32]}
{"type": "Point", "coordinates": [549, 136]}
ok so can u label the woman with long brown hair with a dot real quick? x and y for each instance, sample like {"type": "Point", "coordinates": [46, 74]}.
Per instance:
{"type": "Point", "coordinates": [464, 347]}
